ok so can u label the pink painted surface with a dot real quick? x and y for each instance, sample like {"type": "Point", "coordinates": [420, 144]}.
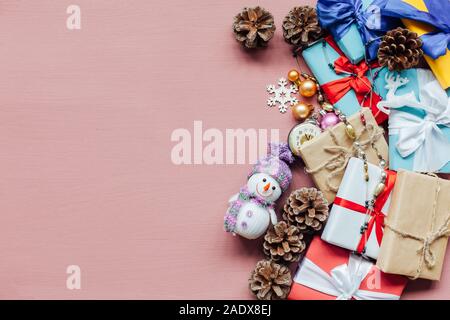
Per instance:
{"type": "Point", "coordinates": [85, 124]}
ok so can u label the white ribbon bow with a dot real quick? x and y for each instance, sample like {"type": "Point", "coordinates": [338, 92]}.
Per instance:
{"type": "Point", "coordinates": [416, 135]}
{"type": "Point", "coordinates": [343, 282]}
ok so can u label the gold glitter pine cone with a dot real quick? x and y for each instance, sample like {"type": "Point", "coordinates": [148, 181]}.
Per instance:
{"type": "Point", "coordinates": [270, 280]}
{"type": "Point", "coordinates": [284, 242]}
{"type": "Point", "coordinates": [254, 27]}
{"type": "Point", "coordinates": [301, 26]}
{"type": "Point", "coordinates": [400, 49]}
{"type": "Point", "coordinates": [307, 209]}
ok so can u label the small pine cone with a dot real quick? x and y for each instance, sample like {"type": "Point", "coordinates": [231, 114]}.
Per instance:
{"type": "Point", "coordinates": [284, 242]}
{"type": "Point", "coordinates": [307, 209]}
{"type": "Point", "coordinates": [270, 280]}
{"type": "Point", "coordinates": [400, 49]}
{"type": "Point", "coordinates": [254, 27]}
{"type": "Point", "coordinates": [301, 26]}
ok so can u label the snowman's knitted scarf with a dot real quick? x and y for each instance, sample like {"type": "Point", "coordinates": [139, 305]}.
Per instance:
{"type": "Point", "coordinates": [244, 196]}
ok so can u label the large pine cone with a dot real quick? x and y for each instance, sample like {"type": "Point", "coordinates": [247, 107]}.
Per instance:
{"type": "Point", "coordinates": [254, 27]}
{"type": "Point", "coordinates": [301, 26]}
{"type": "Point", "coordinates": [400, 49]}
{"type": "Point", "coordinates": [307, 209]}
{"type": "Point", "coordinates": [284, 242]}
{"type": "Point", "coordinates": [270, 281]}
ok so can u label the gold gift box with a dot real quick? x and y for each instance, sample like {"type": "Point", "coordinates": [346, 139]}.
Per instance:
{"type": "Point", "coordinates": [326, 160]}
{"type": "Point", "coordinates": [416, 228]}
{"type": "Point", "coordinates": [439, 66]}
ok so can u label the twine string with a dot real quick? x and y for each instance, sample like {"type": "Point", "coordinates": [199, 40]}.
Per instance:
{"type": "Point", "coordinates": [426, 255]}
{"type": "Point", "coordinates": [338, 162]}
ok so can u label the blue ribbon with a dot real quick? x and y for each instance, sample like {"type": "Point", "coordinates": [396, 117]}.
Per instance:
{"type": "Point", "coordinates": [436, 43]}
{"type": "Point", "coordinates": [338, 15]}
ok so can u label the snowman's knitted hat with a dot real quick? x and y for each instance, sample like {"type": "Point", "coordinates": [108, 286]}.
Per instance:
{"type": "Point", "coordinates": [276, 165]}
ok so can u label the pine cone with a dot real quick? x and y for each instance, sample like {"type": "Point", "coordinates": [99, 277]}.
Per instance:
{"type": "Point", "coordinates": [270, 281]}
{"type": "Point", "coordinates": [307, 209]}
{"type": "Point", "coordinates": [284, 242]}
{"type": "Point", "coordinates": [254, 27]}
{"type": "Point", "coordinates": [400, 49]}
{"type": "Point", "coordinates": [301, 26]}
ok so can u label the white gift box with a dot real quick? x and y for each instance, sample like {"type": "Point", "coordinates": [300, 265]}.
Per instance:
{"type": "Point", "coordinates": [348, 215]}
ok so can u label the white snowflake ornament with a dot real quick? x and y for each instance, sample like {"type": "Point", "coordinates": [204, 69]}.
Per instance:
{"type": "Point", "coordinates": [282, 96]}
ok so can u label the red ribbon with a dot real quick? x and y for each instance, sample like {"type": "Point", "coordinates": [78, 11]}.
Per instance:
{"type": "Point", "coordinates": [357, 81]}
{"type": "Point", "coordinates": [376, 216]}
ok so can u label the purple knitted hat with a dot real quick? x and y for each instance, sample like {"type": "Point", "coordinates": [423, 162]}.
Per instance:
{"type": "Point", "coordinates": [275, 164]}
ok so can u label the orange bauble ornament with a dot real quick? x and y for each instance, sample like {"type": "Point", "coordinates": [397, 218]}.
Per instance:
{"type": "Point", "coordinates": [307, 88]}
{"type": "Point", "coordinates": [301, 111]}
{"type": "Point", "coordinates": [293, 75]}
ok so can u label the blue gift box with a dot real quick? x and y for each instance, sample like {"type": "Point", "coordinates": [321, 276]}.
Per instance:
{"type": "Point", "coordinates": [396, 161]}
{"type": "Point", "coordinates": [356, 25]}
{"type": "Point", "coordinates": [318, 57]}
{"type": "Point", "coordinates": [352, 45]}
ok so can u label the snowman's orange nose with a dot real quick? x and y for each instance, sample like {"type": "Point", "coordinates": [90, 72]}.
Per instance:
{"type": "Point", "coordinates": [266, 187]}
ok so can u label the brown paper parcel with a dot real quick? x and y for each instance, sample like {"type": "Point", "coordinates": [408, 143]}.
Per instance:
{"type": "Point", "coordinates": [416, 229]}
{"type": "Point", "coordinates": [327, 155]}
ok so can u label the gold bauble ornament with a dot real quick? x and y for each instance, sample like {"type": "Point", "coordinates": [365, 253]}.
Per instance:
{"type": "Point", "coordinates": [293, 75]}
{"type": "Point", "coordinates": [307, 88]}
{"type": "Point", "coordinates": [301, 111]}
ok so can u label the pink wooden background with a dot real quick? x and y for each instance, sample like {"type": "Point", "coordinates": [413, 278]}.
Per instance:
{"type": "Point", "coordinates": [85, 124]}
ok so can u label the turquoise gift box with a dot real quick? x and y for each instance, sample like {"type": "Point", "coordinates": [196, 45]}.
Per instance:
{"type": "Point", "coordinates": [319, 55]}
{"type": "Point", "coordinates": [351, 43]}
{"type": "Point", "coordinates": [415, 116]}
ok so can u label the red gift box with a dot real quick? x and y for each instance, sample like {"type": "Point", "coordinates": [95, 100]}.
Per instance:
{"type": "Point", "coordinates": [328, 272]}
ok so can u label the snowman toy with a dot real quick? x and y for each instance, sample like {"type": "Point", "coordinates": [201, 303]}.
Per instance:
{"type": "Point", "coordinates": [251, 211]}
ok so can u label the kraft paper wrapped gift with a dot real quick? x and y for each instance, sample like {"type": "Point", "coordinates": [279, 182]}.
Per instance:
{"type": "Point", "coordinates": [419, 122]}
{"type": "Point", "coordinates": [328, 272]}
{"type": "Point", "coordinates": [327, 155]}
{"type": "Point", "coordinates": [350, 224]}
{"type": "Point", "coordinates": [430, 19]}
{"type": "Point", "coordinates": [417, 227]}
{"type": "Point", "coordinates": [356, 25]}
{"type": "Point", "coordinates": [347, 86]}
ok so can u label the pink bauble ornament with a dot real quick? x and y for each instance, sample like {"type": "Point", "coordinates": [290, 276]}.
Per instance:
{"type": "Point", "coordinates": [329, 120]}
